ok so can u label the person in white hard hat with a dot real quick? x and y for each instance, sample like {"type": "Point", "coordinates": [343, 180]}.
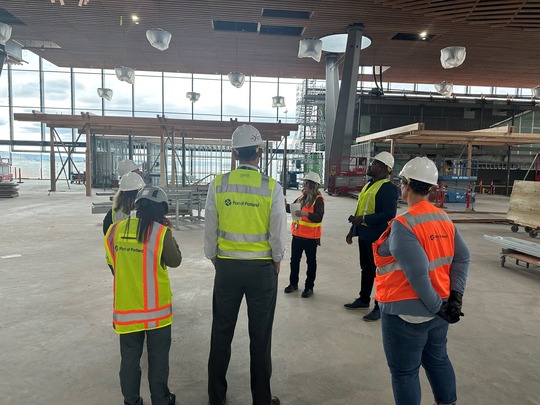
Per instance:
{"type": "Point", "coordinates": [377, 205]}
{"type": "Point", "coordinates": [244, 237]}
{"type": "Point", "coordinates": [124, 199]}
{"type": "Point", "coordinates": [422, 266]}
{"type": "Point", "coordinates": [140, 250]}
{"type": "Point", "coordinates": [306, 233]}
{"type": "Point", "coordinates": [126, 166]}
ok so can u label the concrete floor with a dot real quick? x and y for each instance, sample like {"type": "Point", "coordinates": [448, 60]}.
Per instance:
{"type": "Point", "coordinates": [58, 347]}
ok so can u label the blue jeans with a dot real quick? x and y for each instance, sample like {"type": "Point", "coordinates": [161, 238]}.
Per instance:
{"type": "Point", "coordinates": [409, 345]}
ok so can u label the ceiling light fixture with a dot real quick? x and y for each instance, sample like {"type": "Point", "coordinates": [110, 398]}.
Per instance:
{"type": "Point", "coordinates": [453, 56]}
{"type": "Point", "coordinates": [337, 43]}
{"type": "Point", "coordinates": [278, 101]}
{"type": "Point", "coordinates": [159, 38]}
{"type": "Point", "coordinates": [237, 79]}
{"type": "Point", "coordinates": [5, 33]}
{"type": "Point", "coordinates": [193, 96]}
{"type": "Point", "coordinates": [445, 89]}
{"type": "Point", "coordinates": [125, 74]}
{"type": "Point", "coordinates": [310, 48]}
{"type": "Point", "coordinates": [105, 93]}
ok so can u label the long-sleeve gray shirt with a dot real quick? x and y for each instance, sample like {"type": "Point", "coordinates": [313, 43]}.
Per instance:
{"type": "Point", "coordinates": [404, 246]}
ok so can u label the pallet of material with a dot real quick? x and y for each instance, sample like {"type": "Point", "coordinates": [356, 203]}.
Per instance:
{"type": "Point", "coordinates": [8, 190]}
{"type": "Point", "coordinates": [524, 208]}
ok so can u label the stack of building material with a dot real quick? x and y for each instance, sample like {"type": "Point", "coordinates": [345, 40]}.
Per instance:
{"type": "Point", "coordinates": [8, 189]}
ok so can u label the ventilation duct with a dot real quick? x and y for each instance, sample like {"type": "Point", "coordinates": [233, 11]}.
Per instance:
{"type": "Point", "coordinates": [237, 79]}
{"type": "Point", "coordinates": [105, 93]}
{"type": "Point", "coordinates": [159, 38]}
{"type": "Point", "coordinates": [125, 74]}
{"type": "Point", "coordinates": [310, 48]}
{"type": "Point", "coordinates": [452, 56]}
{"type": "Point", "coordinates": [445, 89]}
{"type": "Point", "coordinates": [278, 101]}
{"type": "Point", "coordinates": [193, 96]}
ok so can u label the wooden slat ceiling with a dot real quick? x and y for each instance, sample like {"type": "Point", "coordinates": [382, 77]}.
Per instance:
{"type": "Point", "coordinates": [501, 37]}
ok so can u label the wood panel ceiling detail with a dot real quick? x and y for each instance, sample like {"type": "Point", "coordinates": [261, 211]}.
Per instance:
{"type": "Point", "coordinates": [520, 14]}
{"type": "Point", "coordinates": [498, 54]}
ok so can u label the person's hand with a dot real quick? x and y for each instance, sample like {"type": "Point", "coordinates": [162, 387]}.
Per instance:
{"type": "Point", "coordinates": [214, 261]}
{"type": "Point", "coordinates": [357, 221]}
{"type": "Point", "coordinates": [449, 312]}
{"type": "Point", "coordinates": [300, 213]}
{"type": "Point", "coordinates": [348, 238]}
{"type": "Point", "coordinates": [277, 266]}
{"type": "Point", "coordinates": [167, 222]}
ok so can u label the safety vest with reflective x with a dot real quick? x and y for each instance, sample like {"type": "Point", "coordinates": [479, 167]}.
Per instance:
{"type": "Point", "coordinates": [435, 232]}
{"type": "Point", "coordinates": [243, 202]}
{"type": "Point", "coordinates": [142, 291]}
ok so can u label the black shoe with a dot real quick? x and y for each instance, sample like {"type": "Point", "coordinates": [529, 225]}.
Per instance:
{"type": "Point", "coordinates": [172, 399]}
{"type": "Point", "coordinates": [290, 288]}
{"type": "Point", "coordinates": [275, 401]}
{"type": "Point", "coordinates": [374, 315]}
{"type": "Point", "coordinates": [308, 292]}
{"type": "Point", "coordinates": [357, 304]}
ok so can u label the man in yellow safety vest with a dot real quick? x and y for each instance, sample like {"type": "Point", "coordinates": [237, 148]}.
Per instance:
{"type": "Point", "coordinates": [245, 230]}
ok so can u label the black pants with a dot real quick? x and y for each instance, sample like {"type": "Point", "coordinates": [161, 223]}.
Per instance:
{"type": "Point", "coordinates": [257, 280]}
{"type": "Point", "coordinates": [368, 269]}
{"type": "Point", "coordinates": [298, 246]}
{"type": "Point", "coordinates": [158, 344]}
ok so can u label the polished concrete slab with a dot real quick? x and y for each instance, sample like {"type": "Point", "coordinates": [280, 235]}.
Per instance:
{"type": "Point", "coordinates": [58, 347]}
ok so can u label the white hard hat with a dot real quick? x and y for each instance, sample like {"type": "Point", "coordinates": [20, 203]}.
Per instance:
{"type": "Point", "coordinates": [385, 158]}
{"type": "Point", "coordinates": [131, 181]}
{"type": "Point", "coordinates": [154, 194]}
{"type": "Point", "coordinates": [314, 177]}
{"type": "Point", "coordinates": [421, 169]}
{"type": "Point", "coordinates": [126, 166]}
{"type": "Point", "coordinates": [246, 135]}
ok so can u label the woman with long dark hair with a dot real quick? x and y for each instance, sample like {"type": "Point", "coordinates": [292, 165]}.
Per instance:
{"type": "Point", "coordinates": [306, 233]}
{"type": "Point", "coordinates": [140, 249]}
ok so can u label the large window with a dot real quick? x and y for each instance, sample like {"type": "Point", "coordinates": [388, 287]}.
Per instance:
{"type": "Point", "coordinates": [86, 96]}
{"type": "Point", "coordinates": [174, 93]}
{"type": "Point", "coordinates": [148, 94]}
{"type": "Point", "coordinates": [209, 105]}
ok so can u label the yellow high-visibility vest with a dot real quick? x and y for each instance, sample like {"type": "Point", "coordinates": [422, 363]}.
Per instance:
{"type": "Point", "coordinates": [243, 202]}
{"type": "Point", "coordinates": [142, 291]}
{"type": "Point", "coordinates": [366, 198]}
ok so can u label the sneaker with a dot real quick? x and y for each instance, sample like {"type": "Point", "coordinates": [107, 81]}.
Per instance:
{"type": "Point", "coordinates": [172, 399]}
{"type": "Point", "coordinates": [275, 401]}
{"type": "Point", "coordinates": [374, 315]}
{"type": "Point", "coordinates": [357, 304]}
{"type": "Point", "coordinates": [308, 292]}
{"type": "Point", "coordinates": [290, 288]}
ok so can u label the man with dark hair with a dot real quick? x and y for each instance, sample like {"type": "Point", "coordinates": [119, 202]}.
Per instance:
{"type": "Point", "coordinates": [245, 229]}
{"type": "Point", "coordinates": [377, 205]}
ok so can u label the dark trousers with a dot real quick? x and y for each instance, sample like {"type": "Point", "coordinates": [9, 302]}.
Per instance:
{"type": "Point", "coordinates": [298, 246]}
{"type": "Point", "coordinates": [158, 344]}
{"type": "Point", "coordinates": [257, 280]}
{"type": "Point", "coordinates": [368, 269]}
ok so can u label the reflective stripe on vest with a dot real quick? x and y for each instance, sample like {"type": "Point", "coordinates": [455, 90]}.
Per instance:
{"type": "Point", "coordinates": [118, 216]}
{"type": "Point", "coordinates": [366, 199]}
{"type": "Point", "coordinates": [142, 294]}
{"type": "Point", "coordinates": [435, 232]}
{"type": "Point", "coordinates": [243, 201]}
{"type": "Point", "coordinates": [304, 228]}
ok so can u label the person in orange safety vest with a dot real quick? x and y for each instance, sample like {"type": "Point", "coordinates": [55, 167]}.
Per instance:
{"type": "Point", "coordinates": [422, 266]}
{"type": "Point", "coordinates": [306, 233]}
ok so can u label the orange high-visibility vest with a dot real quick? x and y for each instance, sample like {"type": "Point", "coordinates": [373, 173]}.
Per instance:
{"type": "Point", "coordinates": [142, 291]}
{"type": "Point", "coordinates": [435, 232]}
{"type": "Point", "coordinates": [304, 228]}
